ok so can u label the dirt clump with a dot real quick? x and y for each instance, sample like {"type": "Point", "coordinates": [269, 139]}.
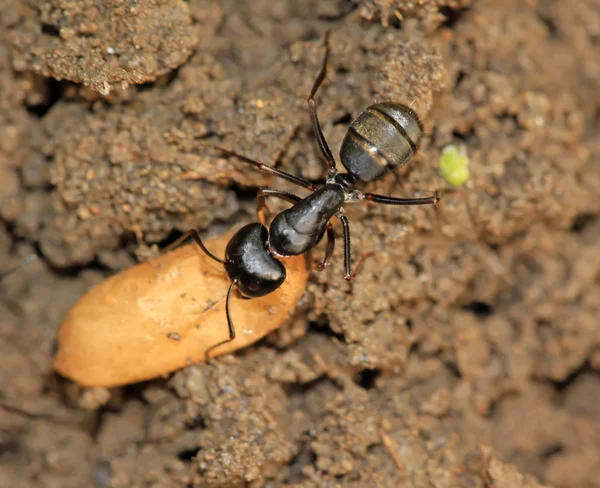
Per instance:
{"type": "Point", "coordinates": [103, 44]}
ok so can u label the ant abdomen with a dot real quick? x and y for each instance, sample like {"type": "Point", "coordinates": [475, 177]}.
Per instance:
{"type": "Point", "coordinates": [249, 264]}
{"type": "Point", "coordinates": [380, 139]}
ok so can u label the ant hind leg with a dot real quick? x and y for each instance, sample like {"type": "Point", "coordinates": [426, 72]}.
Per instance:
{"type": "Point", "coordinates": [385, 200]}
{"type": "Point", "coordinates": [265, 168]}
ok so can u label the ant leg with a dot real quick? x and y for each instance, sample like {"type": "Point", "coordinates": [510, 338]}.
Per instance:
{"type": "Point", "coordinates": [312, 107]}
{"type": "Point", "coordinates": [229, 323]}
{"type": "Point", "coordinates": [194, 234]}
{"type": "Point", "coordinates": [265, 168]}
{"type": "Point", "coordinates": [262, 209]}
{"type": "Point", "coordinates": [347, 248]}
{"type": "Point", "coordinates": [330, 246]}
{"type": "Point", "coordinates": [383, 199]}
{"type": "Point", "coordinates": [349, 274]}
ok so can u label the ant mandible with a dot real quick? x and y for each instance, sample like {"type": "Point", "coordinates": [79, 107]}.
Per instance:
{"type": "Point", "coordinates": [382, 138]}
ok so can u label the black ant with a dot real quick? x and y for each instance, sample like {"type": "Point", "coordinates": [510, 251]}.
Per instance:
{"type": "Point", "coordinates": [383, 137]}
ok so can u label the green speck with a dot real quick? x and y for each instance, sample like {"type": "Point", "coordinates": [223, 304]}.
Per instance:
{"type": "Point", "coordinates": [454, 165]}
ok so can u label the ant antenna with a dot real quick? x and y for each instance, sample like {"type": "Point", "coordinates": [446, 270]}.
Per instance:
{"type": "Point", "coordinates": [24, 262]}
{"type": "Point", "coordinates": [229, 322]}
{"type": "Point", "coordinates": [228, 313]}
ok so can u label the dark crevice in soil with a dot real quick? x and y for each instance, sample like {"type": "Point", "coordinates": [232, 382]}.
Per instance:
{"type": "Point", "coordinates": [582, 221]}
{"type": "Point", "coordinates": [19, 411]}
{"type": "Point", "coordinates": [343, 120]}
{"type": "Point", "coordinates": [54, 93]}
{"type": "Point", "coordinates": [50, 30]}
{"type": "Point", "coordinates": [453, 369]}
{"type": "Point", "coordinates": [560, 386]}
{"type": "Point", "coordinates": [418, 267]}
{"type": "Point", "coordinates": [245, 194]}
{"type": "Point", "coordinates": [460, 76]}
{"type": "Point", "coordinates": [15, 240]}
{"type": "Point", "coordinates": [198, 422]}
{"type": "Point", "coordinates": [453, 16]}
{"type": "Point", "coordinates": [492, 245]}
{"type": "Point", "coordinates": [188, 455]}
{"type": "Point", "coordinates": [292, 389]}
{"type": "Point", "coordinates": [551, 449]}
{"type": "Point", "coordinates": [550, 24]}
{"type": "Point", "coordinates": [414, 348]}
{"type": "Point", "coordinates": [137, 391]}
{"type": "Point", "coordinates": [311, 34]}
{"type": "Point", "coordinates": [9, 444]}
{"type": "Point", "coordinates": [322, 327]}
{"type": "Point", "coordinates": [304, 457]}
{"type": "Point", "coordinates": [367, 378]}
{"type": "Point", "coordinates": [464, 136]}
{"type": "Point", "coordinates": [162, 81]}
{"type": "Point", "coordinates": [480, 309]}
{"type": "Point", "coordinates": [346, 8]}
{"type": "Point", "coordinates": [395, 22]}
{"type": "Point", "coordinates": [496, 402]}
{"type": "Point", "coordinates": [96, 427]}
{"type": "Point", "coordinates": [515, 121]}
{"type": "Point", "coordinates": [76, 270]}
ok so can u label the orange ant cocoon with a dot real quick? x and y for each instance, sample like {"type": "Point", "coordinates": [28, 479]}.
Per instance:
{"type": "Point", "coordinates": [164, 314]}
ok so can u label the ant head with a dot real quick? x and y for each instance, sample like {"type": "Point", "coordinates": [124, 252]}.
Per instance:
{"type": "Point", "coordinates": [249, 264]}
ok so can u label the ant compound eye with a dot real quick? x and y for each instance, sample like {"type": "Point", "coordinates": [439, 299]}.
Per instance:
{"type": "Point", "coordinates": [254, 285]}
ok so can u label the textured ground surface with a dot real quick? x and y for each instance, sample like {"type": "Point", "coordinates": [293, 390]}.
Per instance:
{"type": "Point", "coordinates": [467, 354]}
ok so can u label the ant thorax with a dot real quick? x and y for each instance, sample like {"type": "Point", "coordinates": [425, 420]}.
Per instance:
{"type": "Point", "coordinates": [346, 181]}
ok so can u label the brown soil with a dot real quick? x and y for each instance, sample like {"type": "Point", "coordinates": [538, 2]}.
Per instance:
{"type": "Point", "coordinates": [466, 354]}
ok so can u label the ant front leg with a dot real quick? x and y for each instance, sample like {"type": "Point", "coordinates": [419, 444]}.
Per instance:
{"type": "Point", "coordinates": [312, 107]}
{"type": "Point", "coordinates": [193, 233]}
{"type": "Point", "coordinates": [262, 210]}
